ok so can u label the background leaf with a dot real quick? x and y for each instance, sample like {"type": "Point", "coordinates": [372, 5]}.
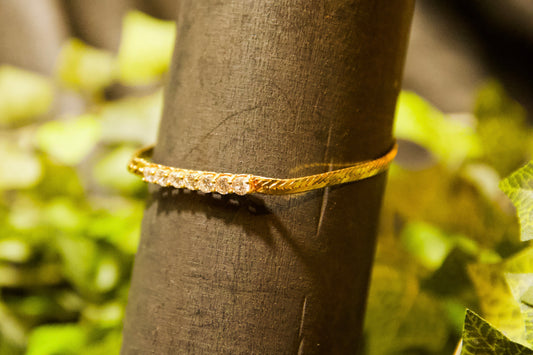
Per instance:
{"type": "Point", "coordinates": [23, 95]}
{"type": "Point", "coordinates": [479, 337]}
{"type": "Point", "coordinates": [71, 140]}
{"type": "Point", "coordinates": [519, 187]}
{"type": "Point", "coordinates": [142, 34]}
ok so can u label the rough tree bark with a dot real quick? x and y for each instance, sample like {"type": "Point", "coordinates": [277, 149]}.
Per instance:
{"type": "Point", "coordinates": [265, 87]}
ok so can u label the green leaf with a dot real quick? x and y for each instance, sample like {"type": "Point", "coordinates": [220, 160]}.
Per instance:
{"type": "Point", "coordinates": [69, 141]}
{"type": "Point", "coordinates": [59, 180]}
{"type": "Point", "coordinates": [496, 300]}
{"type": "Point", "coordinates": [424, 327]}
{"type": "Point", "coordinates": [493, 101]}
{"type": "Point", "coordinates": [391, 296]}
{"type": "Point", "coordinates": [110, 345]}
{"type": "Point", "coordinates": [429, 244]}
{"type": "Point", "coordinates": [85, 68]}
{"type": "Point", "coordinates": [23, 95]}
{"type": "Point", "coordinates": [23, 276]}
{"type": "Point", "coordinates": [450, 140]}
{"type": "Point", "coordinates": [19, 167]}
{"type": "Point", "coordinates": [145, 49]}
{"type": "Point", "coordinates": [520, 285]}
{"type": "Point", "coordinates": [119, 226]}
{"type": "Point", "coordinates": [12, 330]}
{"type": "Point", "coordinates": [93, 269]}
{"type": "Point", "coordinates": [64, 339]}
{"type": "Point", "coordinates": [527, 297]}
{"type": "Point", "coordinates": [479, 337]}
{"type": "Point", "coordinates": [506, 137]}
{"type": "Point", "coordinates": [521, 262]}
{"type": "Point", "coordinates": [110, 171]}
{"type": "Point", "coordinates": [107, 273]}
{"type": "Point", "coordinates": [106, 315]}
{"type": "Point", "coordinates": [134, 120]}
{"type": "Point", "coordinates": [444, 194]}
{"type": "Point", "coordinates": [15, 250]}
{"type": "Point", "coordinates": [519, 188]}
{"type": "Point", "coordinates": [63, 214]}
{"type": "Point", "coordinates": [25, 213]}
{"type": "Point", "coordinates": [80, 258]}
{"type": "Point", "coordinates": [38, 307]}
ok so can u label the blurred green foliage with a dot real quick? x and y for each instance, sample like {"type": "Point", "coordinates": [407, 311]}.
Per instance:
{"type": "Point", "coordinates": [449, 236]}
{"type": "Point", "coordinates": [70, 213]}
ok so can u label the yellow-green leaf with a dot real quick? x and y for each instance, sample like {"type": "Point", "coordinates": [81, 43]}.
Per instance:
{"type": "Point", "coordinates": [23, 95]}
{"type": "Point", "coordinates": [521, 262]}
{"type": "Point", "coordinates": [71, 140]}
{"type": "Point", "coordinates": [428, 243]}
{"type": "Point", "coordinates": [520, 285]}
{"type": "Point", "coordinates": [19, 166]}
{"type": "Point", "coordinates": [111, 171]}
{"type": "Point", "coordinates": [132, 120]}
{"type": "Point", "coordinates": [479, 337]}
{"type": "Point", "coordinates": [146, 48]}
{"type": "Point", "coordinates": [519, 187]}
{"type": "Point", "coordinates": [57, 339]}
{"type": "Point", "coordinates": [496, 300]}
{"type": "Point", "coordinates": [450, 140]}
{"type": "Point", "coordinates": [85, 68]}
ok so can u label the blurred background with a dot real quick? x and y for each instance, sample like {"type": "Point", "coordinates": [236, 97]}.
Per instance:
{"type": "Point", "coordinates": [81, 89]}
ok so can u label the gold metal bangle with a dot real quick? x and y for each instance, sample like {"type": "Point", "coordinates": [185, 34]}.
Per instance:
{"type": "Point", "coordinates": [242, 184]}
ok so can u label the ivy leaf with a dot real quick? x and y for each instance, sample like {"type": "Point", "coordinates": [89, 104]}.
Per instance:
{"type": "Point", "coordinates": [145, 49]}
{"type": "Point", "coordinates": [392, 294]}
{"type": "Point", "coordinates": [57, 339]}
{"type": "Point", "coordinates": [420, 122]}
{"type": "Point", "coordinates": [110, 172]}
{"type": "Point", "coordinates": [85, 68]}
{"type": "Point", "coordinates": [132, 119]}
{"type": "Point", "coordinates": [69, 141]}
{"type": "Point", "coordinates": [527, 297]}
{"type": "Point", "coordinates": [23, 95]}
{"type": "Point", "coordinates": [519, 188]}
{"type": "Point", "coordinates": [502, 128]}
{"type": "Point", "coordinates": [521, 286]}
{"type": "Point", "coordinates": [19, 167]}
{"type": "Point", "coordinates": [496, 300]}
{"type": "Point", "coordinates": [428, 243]}
{"type": "Point", "coordinates": [479, 337]}
{"type": "Point", "coordinates": [424, 327]}
{"type": "Point", "coordinates": [521, 262]}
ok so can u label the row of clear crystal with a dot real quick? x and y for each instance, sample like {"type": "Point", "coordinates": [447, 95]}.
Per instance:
{"type": "Point", "coordinates": [195, 180]}
{"type": "Point", "coordinates": [225, 183]}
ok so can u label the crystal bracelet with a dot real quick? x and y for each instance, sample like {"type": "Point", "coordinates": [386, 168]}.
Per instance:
{"type": "Point", "coordinates": [242, 184]}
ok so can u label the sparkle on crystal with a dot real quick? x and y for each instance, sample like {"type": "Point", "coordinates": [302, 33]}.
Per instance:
{"type": "Point", "coordinates": [176, 179]}
{"type": "Point", "coordinates": [223, 184]}
{"type": "Point", "coordinates": [160, 177]}
{"type": "Point", "coordinates": [241, 185]}
{"type": "Point", "coordinates": [149, 174]}
{"type": "Point", "coordinates": [206, 183]}
{"type": "Point", "coordinates": [191, 180]}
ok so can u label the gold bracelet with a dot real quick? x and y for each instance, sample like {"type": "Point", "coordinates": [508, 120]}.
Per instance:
{"type": "Point", "coordinates": [242, 184]}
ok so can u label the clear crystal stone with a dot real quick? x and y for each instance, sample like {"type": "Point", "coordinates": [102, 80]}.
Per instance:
{"type": "Point", "coordinates": [223, 185]}
{"type": "Point", "coordinates": [175, 179]}
{"type": "Point", "coordinates": [191, 181]}
{"type": "Point", "coordinates": [148, 174]}
{"type": "Point", "coordinates": [241, 185]}
{"type": "Point", "coordinates": [206, 183]}
{"type": "Point", "coordinates": [160, 177]}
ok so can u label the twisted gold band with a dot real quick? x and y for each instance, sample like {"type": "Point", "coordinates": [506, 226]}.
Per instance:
{"type": "Point", "coordinates": [243, 184]}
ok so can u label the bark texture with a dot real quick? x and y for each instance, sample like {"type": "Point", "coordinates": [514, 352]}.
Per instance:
{"type": "Point", "coordinates": [268, 87]}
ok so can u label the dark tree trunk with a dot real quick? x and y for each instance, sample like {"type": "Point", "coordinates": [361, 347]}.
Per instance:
{"type": "Point", "coordinates": [265, 87]}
